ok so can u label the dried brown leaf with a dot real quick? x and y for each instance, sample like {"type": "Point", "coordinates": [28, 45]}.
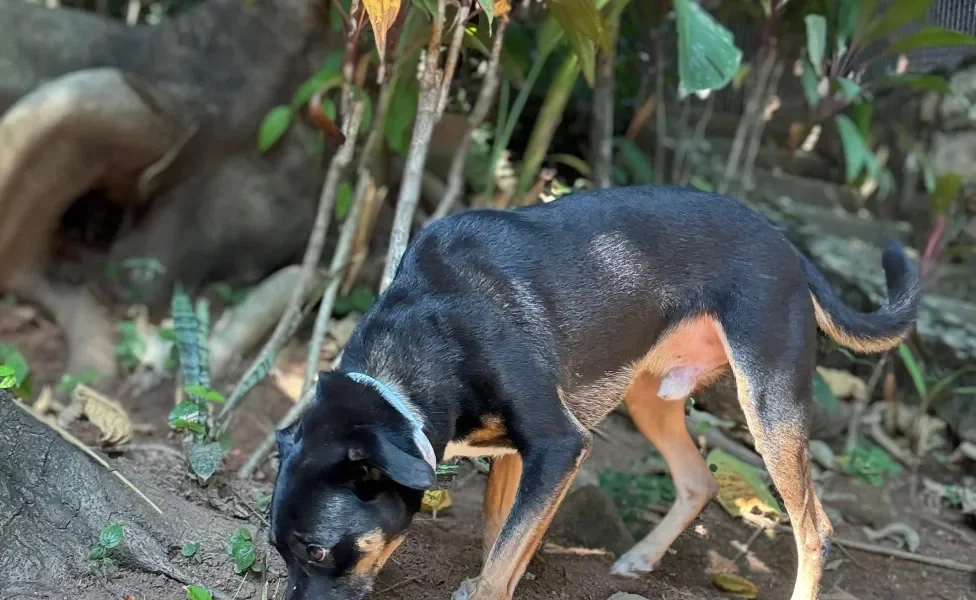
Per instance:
{"type": "Point", "coordinates": [105, 413]}
{"type": "Point", "coordinates": [382, 14]}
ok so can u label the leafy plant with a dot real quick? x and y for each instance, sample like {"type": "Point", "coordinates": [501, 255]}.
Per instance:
{"type": "Point", "coordinates": [241, 549]}
{"type": "Point", "coordinates": [14, 372]}
{"type": "Point", "coordinates": [69, 382]}
{"type": "Point", "coordinates": [869, 464]}
{"type": "Point", "coordinates": [230, 294]}
{"type": "Point", "coordinates": [632, 493]}
{"type": "Point", "coordinates": [206, 445]}
{"type": "Point", "coordinates": [110, 537]}
{"type": "Point", "coordinates": [131, 345]}
{"type": "Point", "coordinates": [190, 552]}
{"type": "Point", "coordinates": [359, 299]}
{"type": "Point", "coordinates": [262, 499]}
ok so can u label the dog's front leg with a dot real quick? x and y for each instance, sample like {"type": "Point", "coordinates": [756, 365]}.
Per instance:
{"type": "Point", "coordinates": [549, 466]}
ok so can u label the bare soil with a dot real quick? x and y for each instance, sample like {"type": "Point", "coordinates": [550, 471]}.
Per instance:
{"type": "Point", "coordinates": [441, 552]}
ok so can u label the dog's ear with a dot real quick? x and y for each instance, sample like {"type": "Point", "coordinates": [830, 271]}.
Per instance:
{"type": "Point", "coordinates": [396, 456]}
{"type": "Point", "coordinates": [287, 439]}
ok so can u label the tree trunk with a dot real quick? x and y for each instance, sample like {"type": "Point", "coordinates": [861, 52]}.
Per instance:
{"type": "Point", "coordinates": [55, 500]}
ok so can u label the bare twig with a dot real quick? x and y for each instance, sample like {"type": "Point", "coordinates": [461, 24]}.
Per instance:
{"type": "Point", "coordinates": [269, 440]}
{"type": "Point", "coordinates": [453, 51]}
{"type": "Point", "coordinates": [432, 89]}
{"type": "Point", "coordinates": [400, 584]}
{"type": "Point", "coordinates": [901, 554]}
{"type": "Point", "coordinates": [662, 123]}
{"type": "Point", "coordinates": [313, 254]}
{"type": "Point", "coordinates": [752, 113]}
{"type": "Point", "coordinates": [601, 132]}
{"type": "Point", "coordinates": [681, 144]}
{"type": "Point", "coordinates": [486, 96]}
{"type": "Point", "coordinates": [760, 124]}
{"type": "Point", "coordinates": [748, 544]}
{"type": "Point", "coordinates": [339, 258]}
{"type": "Point", "coordinates": [687, 166]}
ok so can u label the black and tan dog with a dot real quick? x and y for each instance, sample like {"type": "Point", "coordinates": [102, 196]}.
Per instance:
{"type": "Point", "coordinates": [512, 334]}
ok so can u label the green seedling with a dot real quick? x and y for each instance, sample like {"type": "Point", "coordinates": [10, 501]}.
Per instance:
{"type": "Point", "coordinates": [110, 537]}
{"type": "Point", "coordinates": [241, 549]}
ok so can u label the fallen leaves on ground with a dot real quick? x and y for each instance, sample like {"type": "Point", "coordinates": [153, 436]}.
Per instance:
{"type": "Point", "coordinates": [435, 501]}
{"type": "Point", "coordinates": [105, 413]}
{"type": "Point", "coordinates": [741, 489]}
{"type": "Point", "coordinates": [736, 585]}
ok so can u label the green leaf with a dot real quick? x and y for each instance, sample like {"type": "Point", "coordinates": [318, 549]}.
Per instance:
{"type": "Point", "coordinates": [848, 88]}
{"type": "Point", "coordinates": [897, 15]}
{"type": "Point", "coordinates": [111, 536]}
{"type": "Point", "coordinates": [810, 83]}
{"type": "Point", "coordinates": [933, 83]}
{"type": "Point", "coordinates": [367, 119]}
{"type": "Point", "coordinates": [187, 415]}
{"type": "Point", "coordinates": [816, 40]}
{"type": "Point", "coordinates": [488, 7]}
{"type": "Point", "coordinates": [549, 36]}
{"type": "Point", "coordinates": [190, 549]}
{"type": "Point", "coordinates": [8, 378]}
{"type": "Point", "coordinates": [97, 553]}
{"type": "Point", "coordinates": [399, 120]}
{"type": "Point", "coordinates": [241, 549]}
{"type": "Point", "coordinates": [634, 161]}
{"type": "Point", "coordinates": [914, 369]}
{"type": "Point", "coordinates": [856, 152]}
{"type": "Point", "coordinates": [274, 126]}
{"type": "Point", "coordinates": [191, 341]}
{"type": "Point", "coordinates": [205, 458]}
{"type": "Point", "coordinates": [330, 76]}
{"type": "Point", "coordinates": [362, 298]}
{"type": "Point", "coordinates": [196, 592]}
{"type": "Point", "coordinates": [823, 395]}
{"type": "Point", "coordinates": [846, 21]}
{"type": "Point", "coordinates": [707, 55]}
{"type": "Point", "coordinates": [580, 17]}
{"type": "Point", "coordinates": [69, 382]}
{"type": "Point", "coordinates": [16, 363]}
{"type": "Point", "coordinates": [343, 201]}
{"type": "Point", "coordinates": [930, 37]}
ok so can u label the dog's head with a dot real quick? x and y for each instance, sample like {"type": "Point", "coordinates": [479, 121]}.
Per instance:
{"type": "Point", "coordinates": [350, 479]}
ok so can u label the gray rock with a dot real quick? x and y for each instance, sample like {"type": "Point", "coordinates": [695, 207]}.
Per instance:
{"type": "Point", "coordinates": [624, 596]}
{"type": "Point", "coordinates": [589, 518]}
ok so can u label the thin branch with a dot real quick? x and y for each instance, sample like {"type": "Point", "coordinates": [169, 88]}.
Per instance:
{"type": "Point", "coordinates": [861, 403]}
{"type": "Point", "coordinates": [760, 124]}
{"type": "Point", "coordinates": [698, 141]}
{"type": "Point", "coordinates": [601, 132]}
{"type": "Point", "coordinates": [752, 112]}
{"type": "Point", "coordinates": [662, 123]}
{"type": "Point", "coordinates": [453, 51]}
{"type": "Point", "coordinates": [339, 258]}
{"type": "Point", "coordinates": [486, 97]}
{"type": "Point", "coordinates": [269, 440]}
{"type": "Point", "coordinates": [423, 129]}
{"type": "Point", "coordinates": [313, 254]}
{"type": "Point", "coordinates": [681, 145]}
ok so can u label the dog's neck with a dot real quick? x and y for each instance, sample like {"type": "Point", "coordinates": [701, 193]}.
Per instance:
{"type": "Point", "coordinates": [397, 401]}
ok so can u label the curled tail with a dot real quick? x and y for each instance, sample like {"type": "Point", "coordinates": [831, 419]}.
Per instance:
{"type": "Point", "coordinates": [877, 331]}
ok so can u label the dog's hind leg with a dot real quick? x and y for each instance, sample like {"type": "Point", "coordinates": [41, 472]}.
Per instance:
{"type": "Point", "coordinates": [774, 378]}
{"type": "Point", "coordinates": [663, 422]}
{"type": "Point", "coordinates": [503, 482]}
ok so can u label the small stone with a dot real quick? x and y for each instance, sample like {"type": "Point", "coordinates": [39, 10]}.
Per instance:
{"type": "Point", "coordinates": [589, 518]}
{"type": "Point", "coordinates": [625, 596]}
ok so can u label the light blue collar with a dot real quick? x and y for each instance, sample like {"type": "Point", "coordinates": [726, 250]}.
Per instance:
{"type": "Point", "coordinates": [399, 403]}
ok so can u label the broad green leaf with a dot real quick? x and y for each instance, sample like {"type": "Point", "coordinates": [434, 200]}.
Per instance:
{"type": "Point", "coordinates": [367, 119]}
{"type": "Point", "coordinates": [8, 378]}
{"type": "Point", "coordinates": [856, 152]}
{"type": "Point", "coordinates": [930, 37]}
{"type": "Point", "coordinates": [399, 120]}
{"type": "Point", "coordinates": [816, 40]}
{"type": "Point", "coordinates": [741, 74]}
{"type": "Point", "coordinates": [241, 549]}
{"type": "Point", "coordinates": [428, 6]}
{"type": "Point", "coordinates": [848, 88]}
{"type": "Point", "coordinates": [97, 553]}
{"type": "Point", "coordinates": [947, 186]}
{"type": "Point", "coordinates": [205, 458]}
{"type": "Point", "coordinates": [914, 369]}
{"type": "Point", "coordinates": [823, 395]}
{"type": "Point", "coordinates": [111, 536]}
{"type": "Point", "coordinates": [549, 36]}
{"type": "Point", "coordinates": [382, 14]}
{"type": "Point", "coordinates": [707, 55]}
{"type": "Point", "coordinates": [933, 83]}
{"type": "Point", "coordinates": [634, 161]}
{"type": "Point", "coordinates": [897, 15]}
{"type": "Point", "coordinates": [861, 114]}
{"type": "Point", "coordinates": [741, 489]}
{"type": "Point", "coordinates": [16, 362]}
{"type": "Point", "coordinates": [343, 201]}
{"type": "Point", "coordinates": [274, 125]}
{"type": "Point", "coordinates": [198, 592]}
{"type": "Point", "coordinates": [810, 83]}
{"type": "Point", "coordinates": [361, 298]}
{"type": "Point", "coordinates": [190, 549]}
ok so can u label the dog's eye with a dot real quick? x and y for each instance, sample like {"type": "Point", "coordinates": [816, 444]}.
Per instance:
{"type": "Point", "coordinates": [316, 553]}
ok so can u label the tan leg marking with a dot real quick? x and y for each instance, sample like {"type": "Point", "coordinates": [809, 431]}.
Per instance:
{"type": "Point", "coordinates": [503, 481]}
{"type": "Point", "coordinates": [663, 422]}
{"type": "Point", "coordinates": [376, 550]}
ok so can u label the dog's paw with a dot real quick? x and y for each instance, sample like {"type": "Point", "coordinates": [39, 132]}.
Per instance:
{"type": "Point", "coordinates": [632, 565]}
{"type": "Point", "coordinates": [467, 590]}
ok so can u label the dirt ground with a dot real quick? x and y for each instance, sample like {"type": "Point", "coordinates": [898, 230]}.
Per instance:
{"type": "Point", "coordinates": [441, 552]}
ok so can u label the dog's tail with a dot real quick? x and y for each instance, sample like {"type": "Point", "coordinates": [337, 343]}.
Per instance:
{"type": "Point", "coordinates": [877, 331]}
